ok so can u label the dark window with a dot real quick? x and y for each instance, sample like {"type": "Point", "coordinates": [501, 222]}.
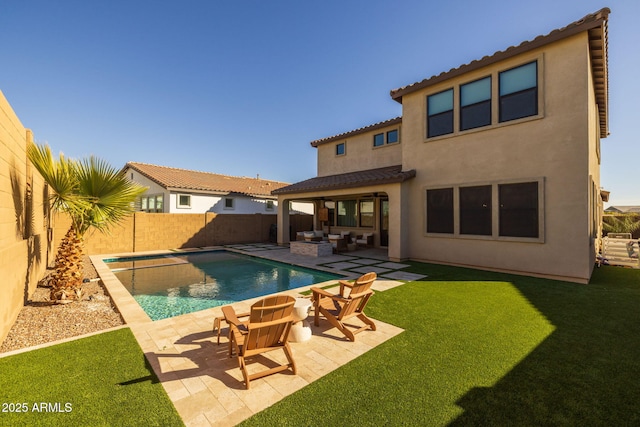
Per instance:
{"type": "Point", "coordinates": [440, 113]}
{"type": "Point", "coordinates": [340, 149]}
{"type": "Point", "coordinates": [475, 210]}
{"type": "Point", "coordinates": [475, 104]}
{"type": "Point", "coordinates": [440, 210]}
{"type": "Point", "coordinates": [392, 136]}
{"type": "Point", "coordinates": [519, 92]}
{"type": "Point", "coordinates": [519, 209]}
{"type": "Point", "coordinates": [378, 140]}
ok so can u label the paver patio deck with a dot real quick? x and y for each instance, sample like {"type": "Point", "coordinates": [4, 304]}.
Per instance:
{"type": "Point", "coordinates": [205, 384]}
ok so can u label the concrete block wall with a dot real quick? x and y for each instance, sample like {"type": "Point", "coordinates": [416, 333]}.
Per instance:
{"type": "Point", "coordinates": [24, 250]}
{"type": "Point", "coordinates": [157, 231]}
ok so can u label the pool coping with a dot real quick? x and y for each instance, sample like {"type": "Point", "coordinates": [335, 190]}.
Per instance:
{"type": "Point", "coordinates": [131, 311]}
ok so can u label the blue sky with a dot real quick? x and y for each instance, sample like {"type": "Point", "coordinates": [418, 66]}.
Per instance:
{"type": "Point", "coordinates": [242, 87]}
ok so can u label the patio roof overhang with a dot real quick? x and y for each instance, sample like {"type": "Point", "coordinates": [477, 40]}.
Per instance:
{"type": "Point", "coordinates": [369, 177]}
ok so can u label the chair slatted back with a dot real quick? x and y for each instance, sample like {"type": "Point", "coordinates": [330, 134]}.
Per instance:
{"type": "Point", "coordinates": [358, 296]}
{"type": "Point", "coordinates": [269, 322]}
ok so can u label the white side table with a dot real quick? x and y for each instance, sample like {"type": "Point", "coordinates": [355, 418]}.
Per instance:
{"type": "Point", "coordinates": [300, 331]}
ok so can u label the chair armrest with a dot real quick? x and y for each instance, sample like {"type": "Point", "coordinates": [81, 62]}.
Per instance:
{"type": "Point", "coordinates": [321, 292]}
{"type": "Point", "coordinates": [345, 284]}
{"type": "Point", "coordinates": [231, 317]}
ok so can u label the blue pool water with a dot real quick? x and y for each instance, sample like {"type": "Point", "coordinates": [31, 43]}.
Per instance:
{"type": "Point", "coordinates": [171, 285]}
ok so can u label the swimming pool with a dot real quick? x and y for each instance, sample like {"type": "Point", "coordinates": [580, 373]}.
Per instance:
{"type": "Point", "coordinates": [175, 284]}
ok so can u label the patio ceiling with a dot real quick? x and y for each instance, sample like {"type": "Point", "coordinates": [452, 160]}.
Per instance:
{"type": "Point", "coordinates": [386, 175]}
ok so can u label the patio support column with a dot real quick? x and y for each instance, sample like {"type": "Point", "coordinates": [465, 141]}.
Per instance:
{"type": "Point", "coordinates": [398, 223]}
{"type": "Point", "coordinates": [283, 221]}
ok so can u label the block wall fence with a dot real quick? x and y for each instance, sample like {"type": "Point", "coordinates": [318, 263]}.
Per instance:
{"type": "Point", "coordinates": [158, 231]}
{"type": "Point", "coordinates": [24, 219]}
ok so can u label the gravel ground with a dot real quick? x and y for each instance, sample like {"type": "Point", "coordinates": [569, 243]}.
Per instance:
{"type": "Point", "coordinates": [41, 322]}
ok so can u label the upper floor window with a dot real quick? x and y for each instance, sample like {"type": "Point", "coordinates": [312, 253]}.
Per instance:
{"type": "Point", "coordinates": [440, 113]}
{"type": "Point", "coordinates": [519, 92]}
{"type": "Point", "coordinates": [184, 200]}
{"type": "Point", "coordinates": [475, 104]}
{"type": "Point", "coordinates": [341, 149]}
{"type": "Point", "coordinates": [391, 138]}
{"type": "Point", "coordinates": [229, 203]}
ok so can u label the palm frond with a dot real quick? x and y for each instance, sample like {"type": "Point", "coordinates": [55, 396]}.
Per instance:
{"type": "Point", "coordinates": [110, 194]}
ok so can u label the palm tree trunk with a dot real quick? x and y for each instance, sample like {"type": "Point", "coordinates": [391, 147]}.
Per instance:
{"type": "Point", "coordinates": [66, 281]}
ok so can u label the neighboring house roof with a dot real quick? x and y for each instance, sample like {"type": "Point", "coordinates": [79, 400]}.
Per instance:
{"type": "Point", "coordinates": [595, 24]}
{"type": "Point", "coordinates": [623, 209]}
{"type": "Point", "coordinates": [189, 180]}
{"type": "Point", "coordinates": [369, 128]}
{"type": "Point", "coordinates": [386, 175]}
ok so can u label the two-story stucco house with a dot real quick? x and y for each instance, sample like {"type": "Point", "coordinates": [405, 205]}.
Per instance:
{"type": "Point", "coordinates": [494, 164]}
{"type": "Point", "coordinates": [173, 190]}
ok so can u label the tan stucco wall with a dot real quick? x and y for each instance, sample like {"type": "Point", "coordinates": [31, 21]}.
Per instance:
{"type": "Point", "coordinates": [360, 153]}
{"type": "Point", "coordinates": [23, 216]}
{"type": "Point", "coordinates": [554, 147]}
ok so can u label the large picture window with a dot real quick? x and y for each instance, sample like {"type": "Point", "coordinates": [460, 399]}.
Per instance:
{"type": "Point", "coordinates": [497, 211]}
{"type": "Point", "coordinates": [440, 113]}
{"type": "Point", "coordinates": [475, 104]}
{"type": "Point", "coordinates": [519, 209]}
{"type": "Point", "coordinates": [475, 210]}
{"type": "Point", "coordinates": [366, 213]}
{"type": "Point", "coordinates": [519, 92]}
{"type": "Point", "coordinates": [347, 213]}
{"type": "Point", "coordinates": [440, 210]}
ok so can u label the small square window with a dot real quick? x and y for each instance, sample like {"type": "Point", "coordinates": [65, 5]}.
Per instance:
{"type": "Point", "coordinates": [229, 203]}
{"type": "Point", "coordinates": [392, 136]}
{"type": "Point", "coordinates": [270, 205]}
{"type": "Point", "coordinates": [341, 149]}
{"type": "Point", "coordinates": [378, 140]}
{"type": "Point", "coordinates": [184, 200]}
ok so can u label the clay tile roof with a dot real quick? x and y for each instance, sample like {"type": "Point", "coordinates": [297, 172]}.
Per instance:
{"type": "Point", "coordinates": [595, 24]}
{"type": "Point", "coordinates": [364, 129]}
{"type": "Point", "coordinates": [183, 179]}
{"type": "Point", "coordinates": [386, 175]}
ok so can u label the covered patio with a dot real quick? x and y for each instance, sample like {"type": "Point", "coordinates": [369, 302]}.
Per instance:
{"type": "Point", "coordinates": [368, 201]}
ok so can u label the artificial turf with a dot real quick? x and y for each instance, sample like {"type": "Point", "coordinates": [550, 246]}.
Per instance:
{"type": "Point", "coordinates": [483, 348]}
{"type": "Point", "coordinates": [479, 348]}
{"type": "Point", "coordinates": [102, 380]}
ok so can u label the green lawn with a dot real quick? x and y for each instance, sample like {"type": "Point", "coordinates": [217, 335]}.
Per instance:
{"type": "Point", "coordinates": [483, 348]}
{"type": "Point", "coordinates": [479, 348]}
{"type": "Point", "coordinates": [101, 380]}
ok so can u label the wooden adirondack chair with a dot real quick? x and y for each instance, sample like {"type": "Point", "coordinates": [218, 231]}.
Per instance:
{"type": "Point", "coordinates": [268, 328]}
{"type": "Point", "coordinates": [349, 303]}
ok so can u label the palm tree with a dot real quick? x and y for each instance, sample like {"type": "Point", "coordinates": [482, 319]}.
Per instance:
{"type": "Point", "coordinates": [94, 195]}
